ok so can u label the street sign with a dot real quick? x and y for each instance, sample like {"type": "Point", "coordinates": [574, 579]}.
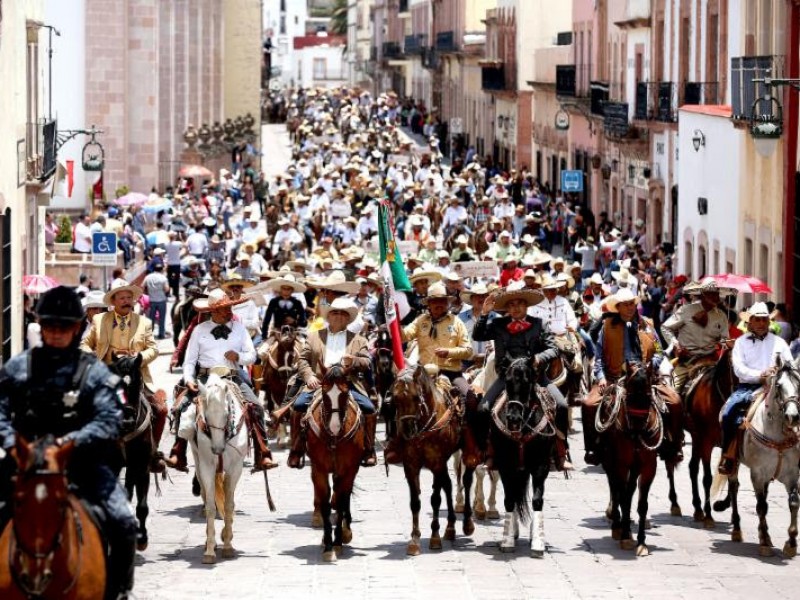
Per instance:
{"type": "Point", "coordinates": [571, 181]}
{"type": "Point", "coordinates": [456, 126]}
{"type": "Point", "coordinates": [104, 248]}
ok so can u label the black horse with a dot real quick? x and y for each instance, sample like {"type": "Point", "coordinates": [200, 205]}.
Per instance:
{"type": "Point", "coordinates": [137, 439]}
{"type": "Point", "coordinates": [523, 434]}
{"type": "Point", "coordinates": [385, 373]}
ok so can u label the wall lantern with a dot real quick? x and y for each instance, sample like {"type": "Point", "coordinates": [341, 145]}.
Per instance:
{"type": "Point", "coordinates": [606, 171]}
{"type": "Point", "coordinates": [702, 206]}
{"type": "Point", "coordinates": [93, 154]}
{"type": "Point", "coordinates": [766, 124]}
{"type": "Point", "coordinates": [698, 140]}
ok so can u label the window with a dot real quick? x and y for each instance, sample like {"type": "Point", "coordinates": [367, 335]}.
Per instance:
{"type": "Point", "coordinates": [716, 260]}
{"type": "Point", "coordinates": [320, 68]}
{"type": "Point", "coordinates": [763, 263]}
{"type": "Point", "coordinates": [283, 5]}
{"type": "Point", "coordinates": [689, 258]}
{"type": "Point", "coordinates": [282, 28]}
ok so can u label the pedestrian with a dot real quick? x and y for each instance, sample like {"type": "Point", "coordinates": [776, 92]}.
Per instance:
{"type": "Point", "coordinates": [157, 287]}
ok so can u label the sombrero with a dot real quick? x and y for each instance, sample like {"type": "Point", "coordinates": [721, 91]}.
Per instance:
{"type": "Point", "coordinates": [336, 282]}
{"type": "Point", "coordinates": [298, 263]}
{"type": "Point", "coordinates": [531, 298]}
{"type": "Point", "coordinates": [568, 279]}
{"type": "Point", "coordinates": [236, 280]}
{"type": "Point", "coordinates": [479, 289]}
{"type": "Point", "coordinates": [121, 287]}
{"type": "Point", "coordinates": [94, 299]}
{"type": "Point", "coordinates": [436, 291]}
{"type": "Point", "coordinates": [549, 283]}
{"type": "Point", "coordinates": [622, 296]}
{"type": "Point", "coordinates": [285, 279]}
{"type": "Point", "coordinates": [217, 298]}
{"type": "Point", "coordinates": [340, 304]}
{"type": "Point", "coordinates": [423, 273]}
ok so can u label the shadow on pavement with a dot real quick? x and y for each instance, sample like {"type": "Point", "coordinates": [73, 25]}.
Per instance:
{"type": "Point", "coordinates": [312, 553]}
{"type": "Point", "coordinates": [750, 550]}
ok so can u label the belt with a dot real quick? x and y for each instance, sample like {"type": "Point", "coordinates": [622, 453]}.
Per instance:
{"type": "Point", "coordinates": [203, 372]}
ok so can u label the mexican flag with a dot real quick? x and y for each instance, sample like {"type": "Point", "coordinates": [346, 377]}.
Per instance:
{"type": "Point", "coordinates": [395, 281]}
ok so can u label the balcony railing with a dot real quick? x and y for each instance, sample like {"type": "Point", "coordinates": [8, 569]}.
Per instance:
{"type": "Point", "coordinates": [392, 50]}
{"type": "Point", "coordinates": [656, 101]}
{"type": "Point", "coordinates": [415, 44]}
{"type": "Point", "coordinates": [493, 78]}
{"type": "Point", "coordinates": [598, 96]}
{"type": "Point", "coordinates": [745, 91]}
{"type": "Point", "coordinates": [446, 41]}
{"type": "Point", "coordinates": [615, 119]}
{"type": "Point", "coordinates": [41, 150]}
{"type": "Point", "coordinates": [697, 92]}
{"type": "Point", "coordinates": [566, 81]}
{"type": "Point", "coordinates": [430, 58]}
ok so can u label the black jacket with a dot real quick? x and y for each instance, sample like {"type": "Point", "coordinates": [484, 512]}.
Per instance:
{"type": "Point", "coordinates": [280, 314]}
{"type": "Point", "coordinates": [536, 342]}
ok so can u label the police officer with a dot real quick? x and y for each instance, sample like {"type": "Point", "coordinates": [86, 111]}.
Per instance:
{"type": "Point", "coordinates": [58, 390]}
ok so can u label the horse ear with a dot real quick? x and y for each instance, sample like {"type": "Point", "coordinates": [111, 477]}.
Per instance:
{"type": "Point", "coordinates": [138, 360]}
{"type": "Point", "coordinates": [21, 451]}
{"type": "Point", "coordinates": [779, 362]}
{"type": "Point", "coordinates": [64, 452]}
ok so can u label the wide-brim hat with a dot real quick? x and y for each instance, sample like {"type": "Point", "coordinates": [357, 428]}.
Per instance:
{"type": "Point", "coordinates": [217, 298]}
{"type": "Point", "coordinates": [568, 279]}
{"type": "Point", "coordinates": [596, 279]}
{"type": "Point", "coordinates": [423, 273]}
{"type": "Point", "coordinates": [479, 289]}
{"type": "Point", "coordinates": [622, 277]}
{"type": "Point", "coordinates": [340, 304]}
{"type": "Point", "coordinates": [94, 299]}
{"type": "Point", "coordinates": [622, 296]}
{"type": "Point", "coordinates": [711, 286]}
{"type": "Point", "coordinates": [550, 283]}
{"type": "Point", "coordinates": [236, 280]}
{"type": "Point", "coordinates": [300, 262]}
{"type": "Point", "coordinates": [337, 282]}
{"type": "Point", "coordinates": [436, 291]}
{"type": "Point", "coordinates": [285, 279]}
{"type": "Point", "coordinates": [531, 298]}
{"type": "Point", "coordinates": [543, 258]}
{"type": "Point", "coordinates": [134, 289]}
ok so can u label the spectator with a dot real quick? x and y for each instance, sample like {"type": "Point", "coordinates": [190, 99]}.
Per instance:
{"type": "Point", "coordinates": [157, 288]}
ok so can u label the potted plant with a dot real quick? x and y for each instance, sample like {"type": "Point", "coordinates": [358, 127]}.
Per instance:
{"type": "Point", "coordinates": [63, 241]}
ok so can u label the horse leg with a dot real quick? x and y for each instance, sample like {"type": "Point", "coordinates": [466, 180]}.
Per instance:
{"type": "Point", "coordinates": [480, 506]}
{"type": "Point", "coordinates": [322, 490]}
{"type": "Point", "coordinates": [645, 481]}
{"type": "Point", "coordinates": [790, 547]}
{"type": "Point", "coordinates": [142, 509]}
{"type": "Point", "coordinates": [510, 524]}
{"type": "Point", "coordinates": [694, 473]}
{"type": "Point", "coordinates": [436, 502]}
{"type": "Point", "coordinates": [675, 508]}
{"type": "Point", "coordinates": [492, 513]}
{"type": "Point", "coordinates": [343, 486]}
{"type": "Point", "coordinates": [626, 501]}
{"type": "Point", "coordinates": [458, 467]}
{"type": "Point", "coordinates": [538, 544]}
{"type": "Point", "coordinates": [612, 511]}
{"type": "Point", "coordinates": [447, 486]}
{"type": "Point", "coordinates": [469, 524]}
{"type": "Point", "coordinates": [412, 478]}
{"type": "Point", "coordinates": [708, 478]}
{"type": "Point", "coordinates": [764, 541]}
{"type": "Point", "coordinates": [206, 476]}
{"type": "Point", "coordinates": [230, 481]}
{"type": "Point", "coordinates": [733, 493]}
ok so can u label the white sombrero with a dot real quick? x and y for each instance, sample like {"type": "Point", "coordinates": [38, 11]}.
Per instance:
{"type": "Point", "coordinates": [121, 287]}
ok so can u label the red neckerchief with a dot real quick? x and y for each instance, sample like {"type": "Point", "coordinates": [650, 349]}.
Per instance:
{"type": "Point", "coordinates": [515, 326]}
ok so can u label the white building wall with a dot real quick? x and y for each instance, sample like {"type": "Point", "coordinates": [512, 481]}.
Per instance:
{"type": "Point", "coordinates": [294, 19]}
{"type": "Point", "coordinates": [335, 66]}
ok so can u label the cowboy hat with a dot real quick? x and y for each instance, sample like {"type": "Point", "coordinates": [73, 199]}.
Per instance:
{"type": "Point", "coordinates": [709, 286]}
{"type": "Point", "coordinates": [622, 296]}
{"type": "Point", "coordinates": [137, 292]}
{"type": "Point", "coordinates": [568, 279]}
{"type": "Point", "coordinates": [285, 279]}
{"type": "Point", "coordinates": [375, 279]}
{"type": "Point", "coordinates": [527, 239]}
{"type": "Point", "coordinates": [340, 305]}
{"type": "Point", "coordinates": [423, 273]}
{"type": "Point", "coordinates": [462, 239]}
{"type": "Point", "coordinates": [596, 279]}
{"type": "Point", "coordinates": [550, 283]}
{"type": "Point", "coordinates": [759, 309]}
{"type": "Point", "coordinates": [436, 291]}
{"type": "Point", "coordinates": [217, 298]}
{"type": "Point", "coordinates": [623, 276]}
{"type": "Point", "coordinates": [336, 282]}
{"type": "Point", "coordinates": [557, 260]}
{"type": "Point", "coordinates": [298, 263]}
{"type": "Point", "coordinates": [94, 299]}
{"type": "Point", "coordinates": [531, 298]}
{"type": "Point", "coordinates": [236, 280]}
{"type": "Point", "coordinates": [479, 289]}
{"type": "Point", "coordinates": [542, 258]}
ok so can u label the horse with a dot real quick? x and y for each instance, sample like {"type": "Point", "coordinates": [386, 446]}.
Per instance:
{"type": "Point", "coordinates": [219, 447]}
{"type": "Point", "coordinates": [523, 434]}
{"type": "Point", "coordinates": [137, 439]}
{"type": "Point", "coordinates": [771, 450]}
{"type": "Point", "coordinates": [335, 445]}
{"type": "Point", "coordinates": [383, 366]}
{"type": "Point", "coordinates": [429, 432]}
{"type": "Point", "coordinates": [51, 547]}
{"type": "Point", "coordinates": [706, 394]}
{"type": "Point", "coordinates": [632, 429]}
{"type": "Point", "coordinates": [182, 314]}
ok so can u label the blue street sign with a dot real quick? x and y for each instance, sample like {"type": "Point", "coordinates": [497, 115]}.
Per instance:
{"type": "Point", "coordinates": [104, 248]}
{"type": "Point", "coordinates": [571, 181]}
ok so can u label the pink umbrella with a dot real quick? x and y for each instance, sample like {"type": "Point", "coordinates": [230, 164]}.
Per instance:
{"type": "Point", "coordinates": [196, 171]}
{"type": "Point", "coordinates": [38, 284]}
{"type": "Point", "coordinates": [131, 199]}
{"type": "Point", "coordinates": [745, 284]}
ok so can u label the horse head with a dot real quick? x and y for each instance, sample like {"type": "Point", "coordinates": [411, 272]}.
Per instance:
{"type": "Point", "coordinates": [287, 336]}
{"type": "Point", "coordinates": [215, 412]}
{"type": "Point", "coordinates": [786, 388]}
{"type": "Point", "coordinates": [520, 379]}
{"type": "Point", "coordinates": [637, 392]}
{"type": "Point", "coordinates": [383, 351]}
{"type": "Point", "coordinates": [335, 394]}
{"type": "Point", "coordinates": [412, 396]}
{"type": "Point", "coordinates": [129, 369]}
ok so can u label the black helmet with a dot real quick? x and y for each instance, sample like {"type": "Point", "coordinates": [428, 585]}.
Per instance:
{"type": "Point", "coordinates": [60, 304]}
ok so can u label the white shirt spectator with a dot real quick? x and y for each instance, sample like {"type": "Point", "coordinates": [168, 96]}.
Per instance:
{"type": "Point", "coordinates": [454, 215]}
{"type": "Point", "coordinates": [558, 314]}
{"type": "Point", "coordinates": [83, 237]}
{"type": "Point", "coordinates": [197, 244]}
{"type": "Point", "coordinates": [503, 210]}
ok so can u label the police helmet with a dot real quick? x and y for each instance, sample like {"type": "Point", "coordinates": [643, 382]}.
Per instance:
{"type": "Point", "coordinates": [60, 304]}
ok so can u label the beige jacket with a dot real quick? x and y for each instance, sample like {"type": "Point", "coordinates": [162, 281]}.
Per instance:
{"type": "Point", "coordinates": [451, 333]}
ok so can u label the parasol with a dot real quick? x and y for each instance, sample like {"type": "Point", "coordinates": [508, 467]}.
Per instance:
{"type": "Point", "coordinates": [131, 199]}
{"type": "Point", "coordinates": [195, 171]}
{"type": "Point", "coordinates": [745, 284]}
{"type": "Point", "coordinates": [38, 284]}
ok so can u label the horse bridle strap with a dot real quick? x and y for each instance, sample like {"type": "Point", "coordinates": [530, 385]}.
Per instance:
{"type": "Point", "coordinates": [143, 425]}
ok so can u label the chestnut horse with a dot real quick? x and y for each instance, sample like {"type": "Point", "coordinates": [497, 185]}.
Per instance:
{"type": "Point", "coordinates": [429, 432]}
{"type": "Point", "coordinates": [335, 445]}
{"type": "Point", "coordinates": [279, 363]}
{"type": "Point", "coordinates": [51, 548]}
{"type": "Point", "coordinates": [632, 429]}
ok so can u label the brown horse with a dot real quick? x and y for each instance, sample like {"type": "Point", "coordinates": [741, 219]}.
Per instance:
{"type": "Point", "coordinates": [335, 446]}
{"type": "Point", "coordinates": [51, 548]}
{"type": "Point", "coordinates": [632, 430]}
{"type": "Point", "coordinates": [278, 364]}
{"type": "Point", "coordinates": [703, 403]}
{"type": "Point", "coordinates": [429, 432]}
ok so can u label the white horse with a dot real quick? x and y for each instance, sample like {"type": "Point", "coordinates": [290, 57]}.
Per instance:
{"type": "Point", "coordinates": [218, 437]}
{"type": "Point", "coordinates": [771, 451]}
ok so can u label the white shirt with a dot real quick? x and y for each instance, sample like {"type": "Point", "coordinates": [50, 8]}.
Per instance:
{"type": "Point", "coordinates": [83, 237]}
{"type": "Point", "coordinates": [197, 243]}
{"type": "Point", "coordinates": [205, 352]}
{"type": "Point", "coordinates": [454, 216]}
{"type": "Point", "coordinates": [504, 209]}
{"type": "Point", "coordinates": [250, 234]}
{"type": "Point", "coordinates": [558, 314]}
{"type": "Point", "coordinates": [752, 356]}
{"type": "Point", "coordinates": [335, 346]}
{"type": "Point", "coordinates": [248, 314]}
{"type": "Point", "coordinates": [290, 235]}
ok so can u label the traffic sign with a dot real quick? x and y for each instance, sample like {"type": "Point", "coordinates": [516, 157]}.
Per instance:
{"type": "Point", "coordinates": [456, 126]}
{"type": "Point", "coordinates": [571, 181]}
{"type": "Point", "coordinates": [104, 248]}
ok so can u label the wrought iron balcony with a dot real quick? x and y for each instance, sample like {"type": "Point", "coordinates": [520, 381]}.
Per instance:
{"type": "Point", "coordinates": [41, 150]}
{"type": "Point", "coordinates": [392, 50]}
{"type": "Point", "coordinates": [598, 96]}
{"type": "Point", "coordinates": [744, 91]}
{"type": "Point", "coordinates": [566, 84]}
{"type": "Point", "coordinates": [656, 101]}
{"type": "Point", "coordinates": [446, 41]}
{"type": "Point", "coordinates": [615, 119]}
{"type": "Point", "coordinates": [696, 92]}
{"type": "Point", "coordinates": [493, 77]}
{"type": "Point", "coordinates": [415, 44]}
{"type": "Point", "coordinates": [430, 58]}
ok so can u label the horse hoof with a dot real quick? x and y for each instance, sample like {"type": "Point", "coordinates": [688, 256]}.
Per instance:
{"type": "Point", "coordinates": [722, 505]}
{"type": "Point", "coordinates": [469, 527]}
{"type": "Point", "coordinates": [141, 546]}
{"type": "Point", "coordinates": [698, 516]}
{"type": "Point", "coordinates": [628, 544]}
{"type": "Point", "coordinates": [480, 515]}
{"type": "Point", "coordinates": [537, 553]}
{"type": "Point", "coordinates": [709, 523]}
{"type": "Point", "coordinates": [329, 556]}
{"type": "Point", "coordinates": [507, 545]}
{"type": "Point", "coordinates": [616, 534]}
{"type": "Point", "coordinates": [765, 551]}
{"type": "Point", "coordinates": [492, 514]}
{"type": "Point", "coordinates": [338, 550]}
{"type": "Point", "coordinates": [459, 509]}
{"type": "Point", "coordinates": [736, 535]}
{"type": "Point", "coordinates": [537, 548]}
{"type": "Point", "coordinates": [347, 535]}
{"type": "Point", "coordinates": [413, 549]}
{"type": "Point", "coordinates": [789, 551]}
{"type": "Point", "coordinates": [316, 520]}
{"type": "Point", "coordinates": [450, 533]}
{"type": "Point", "coordinates": [228, 552]}
{"type": "Point", "coordinates": [675, 511]}
{"type": "Point", "coordinates": [642, 550]}
{"type": "Point", "coordinates": [209, 559]}
{"type": "Point", "coordinates": [436, 543]}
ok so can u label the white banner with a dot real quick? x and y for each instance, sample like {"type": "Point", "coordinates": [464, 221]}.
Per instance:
{"type": "Point", "coordinates": [486, 269]}
{"type": "Point", "coordinates": [406, 247]}
{"type": "Point", "coordinates": [341, 210]}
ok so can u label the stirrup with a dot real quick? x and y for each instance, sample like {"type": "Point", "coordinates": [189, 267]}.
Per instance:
{"type": "Point", "coordinates": [369, 460]}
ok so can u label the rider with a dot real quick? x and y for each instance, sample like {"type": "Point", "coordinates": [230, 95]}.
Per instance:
{"type": "Point", "coordinates": [221, 341]}
{"type": "Point", "coordinates": [285, 308]}
{"type": "Point", "coordinates": [420, 280]}
{"type": "Point", "coordinates": [121, 332]}
{"type": "Point", "coordinates": [519, 335]}
{"type": "Point", "coordinates": [247, 311]}
{"type": "Point", "coordinates": [333, 344]}
{"type": "Point", "coordinates": [58, 390]}
{"type": "Point", "coordinates": [615, 346]}
{"type": "Point", "coordinates": [753, 361]}
{"type": "Point", "coordinates": [556, 311]}
{"type": "Point", "coordinates": [694, 331]}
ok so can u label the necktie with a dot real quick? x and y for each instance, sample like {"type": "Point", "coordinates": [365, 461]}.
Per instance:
{"type": "Point", "coordinates": [434, 323]}
{"type": "Point", "coordinates": [220, 331]}
{"type": "Point", "coordinates": [122, 323]}
{"type": "Point", "coordinates": [518, 326]}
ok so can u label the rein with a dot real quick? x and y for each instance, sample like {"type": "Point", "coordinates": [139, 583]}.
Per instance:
{"type": "Point", "coordinates": [145, 421]}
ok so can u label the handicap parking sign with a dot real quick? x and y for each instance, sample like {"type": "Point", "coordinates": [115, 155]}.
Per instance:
{"type": "Point", "coordinates": [104, 248]}
{"type": "Point", "coordinates": [571, 181]}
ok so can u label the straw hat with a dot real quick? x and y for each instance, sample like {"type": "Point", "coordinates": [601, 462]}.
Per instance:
{"type": "Point", "coordinates": [340, 304]}
{"type": "Point", "coordinates": [549, 283]}
{"type": "Point", "coordinates": [285, 279]}
{"type": "Point", "coordinates": [479, 289]}
{"type": "Point", "coordinates": [236, 280]}
{"type": "Point", "coordinates": [217, 298]}
{"type": "Point", "coordinates": [94, 299]}
{"type": "Point", "coordinates": [436, 291]}
{"type": "Point", "coordinates": [623, 276]}
{"type": "Point", "coordinates": [423, 273]}
{"type": "Point", "coordinates": [568, 279]}
{"type": "Point", "coordinates": [335, 281]}
{"type": "Point", "coordinates": [137, 292]}
{"type": "Point", "coordinates": [596, 279]}
{"type": "Point", "coordinates": [531, 298]}
{"type": "Point", "coordinates": [759, 309]}
{"type": "Point", "coordinates": [622, 296]}
{"type": "Point", "coordinates": [300, 262]}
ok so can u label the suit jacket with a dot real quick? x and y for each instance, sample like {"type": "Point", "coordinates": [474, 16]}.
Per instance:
{"type": "Point", "coordinates": [535, 342]}
{"type": "Point", "coordinates": [98, 341]}
{"type": "Point", "coordinates": [312, 356]}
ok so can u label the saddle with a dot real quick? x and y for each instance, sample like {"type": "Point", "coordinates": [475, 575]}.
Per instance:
{"type": "Point", "coordinates": [569, 347]}
{"type": "Point", "coordinates": [704, 367]}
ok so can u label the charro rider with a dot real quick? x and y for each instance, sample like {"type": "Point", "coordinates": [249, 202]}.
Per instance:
{"type": "Point", "coordinates": [556, 311]}
{"type": "Point", "coordinates": [58, 390]}
{"type": "Point", "coordinates": [220, 341]}
{"type": "Point", "coordinates": [519, 335]}
{"type": "Point", "coordinates": [626, 337]}
{"type": "Point", "coordinates": [753, 361]}
{"type": "Point", "coordinates": [121, 332]}
{"type": "Point", "coordinates": [331, 345]}
{"type": "Point", "coordinates": [694, 331]}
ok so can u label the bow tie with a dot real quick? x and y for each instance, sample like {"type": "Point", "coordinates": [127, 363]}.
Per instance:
{"type": "Point", "coordinates": [760, 338]}
{"type": "Point", "coordinates": [285, 304]}
{"type": "Point", "coordinates": [518, 326]}
{"type": "Point", "coordinates": [220, 331]}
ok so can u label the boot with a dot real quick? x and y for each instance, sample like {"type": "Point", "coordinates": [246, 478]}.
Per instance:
{"type": "Point", "coordinates": [279, 413]}
{"type": "Point", "coordinates": [262, 457]}
{"type": "Point", "coordinates": [370, 424]}
{"type": "Point", "coordinates": [562, 455]}
{"type": "Point", "coordinates": [121, 557]}
{"type": "Point", "coordinates": [159, 421]}
{"type": "Point", "coordinates": [177, 456]}
{"type": "Point", "coordinates": [730, 450]}
{"type": "Point", "coordinates": [592, 455]}
{"type": "Point", "coordinates": [297, 455]}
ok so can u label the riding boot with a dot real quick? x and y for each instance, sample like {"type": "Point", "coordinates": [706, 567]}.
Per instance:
{"type": "Point", "coordinates": [121, 559]}
{"type": "Point", "coordinates": [592, 449]}
{"type": "Point", "coordinates": [177, 456]}
{"type": "Point", "coordinates": [262, 457]}
{"type": "Point", "coordinates": [562, 445]}
{"type": "Point", "coordinates": [370, 424]}
{"type": "Point", "coordinates": [159, 421]}
{"type": "Point", "coordinates": [297, 455]}
{"type": "Point", "coordinates": [730, 450]}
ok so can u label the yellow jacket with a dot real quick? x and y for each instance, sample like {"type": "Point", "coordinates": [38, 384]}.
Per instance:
{"type": "Point", "coordinates": [451, 333]}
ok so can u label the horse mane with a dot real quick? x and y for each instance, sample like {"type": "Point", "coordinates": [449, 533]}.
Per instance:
{"type": "Point", "coordinates": [335, 374]}
{"type": "Point", "coordinates": [637, 385]}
